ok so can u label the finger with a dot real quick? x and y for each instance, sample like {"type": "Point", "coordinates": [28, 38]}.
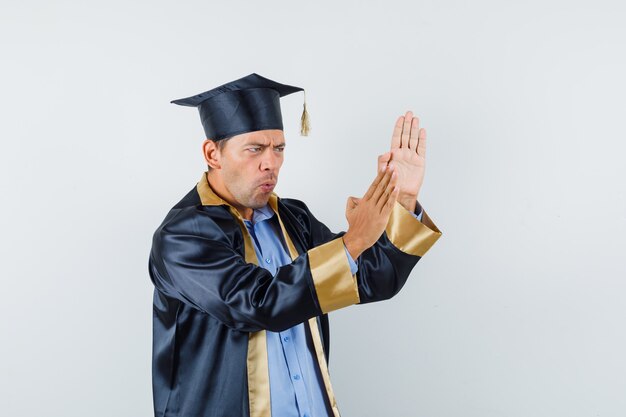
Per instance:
{"type": "Point", "coordinates": [383, 160]}
{"type": "Point", "coordinates": [415, 125]}
{"type": "Point", "coordinates": [397, 133]}
{"type": "Point", "coordinates": [406, 129]}
{"type": "Point", "coordinates": [421, 145]}
{"type": "Point", "coordinates": [384, 184]}
{"type": "Point", "coordinates": [372, 188]}
{"type": "Point", "coordinates": [351, 203]}
{"type": "Point", "coordinates": [388, 206]}
{"type": "Point", "coordinates": [393, 182]}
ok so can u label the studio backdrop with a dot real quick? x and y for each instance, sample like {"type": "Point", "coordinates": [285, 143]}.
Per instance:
{"type": "Point", "coordinates": [517, 311]}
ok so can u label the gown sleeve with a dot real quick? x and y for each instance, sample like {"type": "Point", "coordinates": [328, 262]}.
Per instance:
{"type": "Point", "coordinates": [193, 261]}
{"type": "Point", "coordinates": [384, 268]}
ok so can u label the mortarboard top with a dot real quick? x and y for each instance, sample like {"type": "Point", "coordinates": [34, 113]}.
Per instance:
{"type": "Point", "coordinates": [245, 105]}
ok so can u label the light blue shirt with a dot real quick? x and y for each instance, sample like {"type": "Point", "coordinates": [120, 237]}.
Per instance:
{"type": "Point", "coordinates": [296, 385]}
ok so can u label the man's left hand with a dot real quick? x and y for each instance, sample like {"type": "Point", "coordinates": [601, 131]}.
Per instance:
{"type": "Point", "coordinates": [408, 151]}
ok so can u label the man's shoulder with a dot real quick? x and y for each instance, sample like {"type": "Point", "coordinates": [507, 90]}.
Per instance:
{"type": "Point", "coordinates": [186, 208]}
{"type": "Point", "coordinates": [294, 204]}
{"type": "Point", "coordinates": [191, 199]}
{"type": "Point", "coordinates": [189, 215]}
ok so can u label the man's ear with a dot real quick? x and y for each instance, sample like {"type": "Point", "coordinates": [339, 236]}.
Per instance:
{"type": "Point", "coordinates": [210, 151]}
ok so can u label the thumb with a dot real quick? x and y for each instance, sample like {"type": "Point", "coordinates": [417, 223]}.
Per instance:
{"type": "Point", "coordinates": [383, 160]}
{"type": "Point", "coordinates": [352, 203]}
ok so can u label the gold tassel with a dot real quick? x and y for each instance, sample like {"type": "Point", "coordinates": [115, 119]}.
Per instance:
{"type": "Point", "coordinates": [305, 122]}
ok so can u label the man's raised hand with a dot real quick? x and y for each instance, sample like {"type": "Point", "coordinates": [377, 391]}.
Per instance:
{"type": "Point", "coordinates": [408, 151]}
{"type": "Point", "coordinates": [368, 216]}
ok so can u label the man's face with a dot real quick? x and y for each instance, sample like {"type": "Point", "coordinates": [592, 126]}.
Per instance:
{"type": "Point", "coordinates": [250, 163]}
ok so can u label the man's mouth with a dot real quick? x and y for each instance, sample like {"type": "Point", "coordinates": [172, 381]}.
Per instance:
{"type": "Point", "coordinates": [268, 187]}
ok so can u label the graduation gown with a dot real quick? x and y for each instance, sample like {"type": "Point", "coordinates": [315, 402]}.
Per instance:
{"type": "Point", "coordinates": [213, 303]}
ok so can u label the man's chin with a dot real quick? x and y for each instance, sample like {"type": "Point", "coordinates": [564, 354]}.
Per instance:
{"type": "Point", "coordinates": [259, 202]}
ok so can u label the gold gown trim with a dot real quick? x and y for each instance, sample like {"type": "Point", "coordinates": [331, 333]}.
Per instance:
{"type": "Point", "coordinates": [409, 234]}
{"type": "Point", "coordinates": [335, 285]}
{"type": "Point", "coordinates": [258, 372]}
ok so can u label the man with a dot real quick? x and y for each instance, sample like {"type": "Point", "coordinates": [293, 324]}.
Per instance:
{"type": "Point", "coordinates": [244, 279]}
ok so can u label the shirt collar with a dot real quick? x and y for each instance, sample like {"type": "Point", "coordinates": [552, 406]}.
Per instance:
{"type": "Point", "coordinates": [264, 213]}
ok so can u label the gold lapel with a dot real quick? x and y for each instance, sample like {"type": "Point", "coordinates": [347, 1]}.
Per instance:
{"type": "Point", "coordinates": [258, 371]}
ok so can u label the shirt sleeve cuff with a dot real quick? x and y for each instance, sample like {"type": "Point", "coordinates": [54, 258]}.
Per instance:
{"type": "Point", "coordinates": [418, 211]}
{"type": "Point", "coordinates": [353, 265]}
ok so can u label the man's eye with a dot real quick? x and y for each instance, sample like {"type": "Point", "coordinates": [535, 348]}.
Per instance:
{"type": "Point", "coordinates": [254, 150]}
{"type": "Point", "coordinates": [281, 149]}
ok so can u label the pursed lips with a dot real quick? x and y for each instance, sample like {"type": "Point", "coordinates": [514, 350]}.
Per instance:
{"type": "Point", "coordinates": [268, 181]}
{"type": "Point", "coordinates": [267, 185]}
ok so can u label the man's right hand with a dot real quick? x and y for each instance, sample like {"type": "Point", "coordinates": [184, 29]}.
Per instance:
{"type": "Point", "coordinates": [368, 216]}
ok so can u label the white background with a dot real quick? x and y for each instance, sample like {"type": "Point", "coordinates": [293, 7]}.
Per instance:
{"type": "Point", "coordinates": [518, 310]}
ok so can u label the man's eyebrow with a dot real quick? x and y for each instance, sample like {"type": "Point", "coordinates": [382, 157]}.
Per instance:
{"type": "Point", "coordinates": [263, 145]}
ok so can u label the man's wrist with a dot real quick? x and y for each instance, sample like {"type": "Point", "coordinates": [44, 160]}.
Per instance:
{"type": "Point", "coordinates": [408, 201]}
{"type": "Point", "coordinates": [352, 244]}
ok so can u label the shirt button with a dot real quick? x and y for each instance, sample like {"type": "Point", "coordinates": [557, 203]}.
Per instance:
{"type": "Point", "coordinates": [296, 377]}
{"type": "Point", "coordinates": [286, 338]}
{"type": "Point", "coordinates": [268, 261]}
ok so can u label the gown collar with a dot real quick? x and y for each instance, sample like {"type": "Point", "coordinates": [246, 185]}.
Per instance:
{"type": "Point", "coordinates": [209, 198]}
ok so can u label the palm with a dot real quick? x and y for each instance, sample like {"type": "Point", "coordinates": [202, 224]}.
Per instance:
{"type": "Point", "coordinates": [410, 168]}
{"type": "Point", "coordinates": [408, 150]}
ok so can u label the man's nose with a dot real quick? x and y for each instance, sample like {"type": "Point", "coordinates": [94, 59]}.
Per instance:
{"type": "Point", "coordinates": [269, 162]}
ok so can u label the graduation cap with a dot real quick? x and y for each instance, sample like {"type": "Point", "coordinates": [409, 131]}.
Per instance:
{"type": "Point", "coordinates": [245, 105]}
